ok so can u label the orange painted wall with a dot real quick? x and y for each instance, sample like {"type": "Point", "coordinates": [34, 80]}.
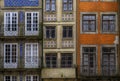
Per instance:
{"type": "Point", "coordinates": [94, 39]}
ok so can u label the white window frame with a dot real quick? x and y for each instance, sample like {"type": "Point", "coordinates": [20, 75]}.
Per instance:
{"type": "Point", "coordinates": [81, 56]}
{"type": "Point", "coordinates": [116, 55]}
{"type": "Point", "coordinates": [11, 65]}
{"type": "Point", "coordinates": [10, 32]}
{"type": "Point", "coordinates": [81, 15]}
{"type": "Point", "coordinates": [116, 23]}
{"type": "Point", "coordinates": [11, 77]}
{"type": "Point", "coordinates": [32, 31]}
{"type": "Point", "coordinates": [31, 76]}
{"type": "Point", "coordinates": [31, 64]}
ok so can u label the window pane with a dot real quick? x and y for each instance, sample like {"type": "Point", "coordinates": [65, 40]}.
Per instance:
{"type": "Point", "coordinates": [35, 21]}
{"type": "Point", "coordinates": [50, 32]}
{"type": "Point", "coordinates": [7, 78]}
{"type": "Point", "coordinates": [89, 23]}
{"type": "Point", "coordinates": [108, 22]}
{"type": "Point", "coordinates": [67, 5]}
{"type": "Point", "coordinates": [53, 5]}
{"type": "Point", "coordinates": [108, 61]}
{"type": "Point", "coordinates": [66, 60]}
{"type": "Point", "coordinates": [29, 21]}
{"type": "Point", "coordinates": [51, 60]}
{"type": "Point", "coordinates": [67, 31]}
{"type": "Point", "coordinates": [89, 60]}
{"type": "Point", "coordinates": [14, 53]}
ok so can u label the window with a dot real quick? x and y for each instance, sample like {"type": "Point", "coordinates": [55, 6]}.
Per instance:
{"type": "Point", "coordinates": [67, 32]}
{"type": "Point", "coordinates": [10, 55]}
{"type": "Point", "coordinates": [89, 23]}
{"type": "Point", "coordinates": [51, 60]}
{"type": "Point", "coordinates": [108, 60]}
{"type": "Point", "coordinates": [67, 5]}
{"type": "Point", "coordinates": [31, 55]}
{"type": "Point", "coordinates": [31, 78]}
{"type": "Point", "coordinates": [50, 5]}
{"type": "Point", "coordinates": [10, 23]}
{"type": "Point", "coordinates": [10, 78]}
{"type": "Point", "coordinates": [32, 23]}
{"type": "Point", "coordinates": [88, 60]}
{"type": "Point", "coordinates": [50, 31]}
{"type": "Point", "coordinates": [108, 23]}
{"type": "Point", "coordinates": [66, 60]}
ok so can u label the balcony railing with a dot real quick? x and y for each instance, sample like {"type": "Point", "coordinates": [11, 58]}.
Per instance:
{"type": "Point", "coordinates": [67, 17]}
{"type": "Point", "coordinates": [50, 17]}
{"type": "Point", "coordinates": [88, 71]}
{"type": "Point", "coordinates": [92, 71]}
{"type": "Point", "coordinates": [50, 43]}
{"type": "Point", "coordinates": [67, 43]}
{"type": "Point", "coordinates": [20, 62]}
{"type": "Point", "coordinates": [20, 30]}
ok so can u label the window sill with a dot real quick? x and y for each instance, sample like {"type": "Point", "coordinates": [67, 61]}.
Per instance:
{"type": "Point", "coordinates": [108, 32]}
{"type": "Point", "coordinates": [89, 32]}
{"type": "Point", "coordinates": [50, 38]}
{"type": "Point", "coordinates": [67, 38]}
{"type": "Point", "coordinates": [52, 12]}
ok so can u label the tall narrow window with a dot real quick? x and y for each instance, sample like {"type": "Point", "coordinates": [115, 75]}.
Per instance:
{"type": "Point", "coordinates": [67, 32]}
{"type": "Point", "coordinates": [31, 78]}
{"type": "Point", "coordinates": [50, 31]}
{"type": "Point", "coordinates": [108, 60]}
{"type": "Point", "coordinates": [108, 23]}
{"type": "Point", "coordinates": [32, 23]}
{"type": "Point", "coordinates": [66, 60]}
{"type": "Point", "coordinates": [10, 23]}
{"type": "Point", "coordinates": [88, 60]}
{"type": "Point", "coordinates": [50, 5]}
{"type": "Point", "coordinates": [31, 55]}
{"type": "Point", "coordinates": [10, 78]}
{"type": "Point", "coordinates": [89, 23]}
{"type": "Point", "coordinates": [51, 60]}
{"type": "Point", "coordinates": [10, 55]}
{"type": "Point", "coordinates": [67, 5]}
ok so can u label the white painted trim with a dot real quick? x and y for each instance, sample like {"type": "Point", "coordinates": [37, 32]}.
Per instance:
{"type": "Point", "coordinates": [31, 32]}
{"type": "Point", "coordinates": [16, 64]}
{"type": "Point", "coordinates": [10, 33]}
{"type": "Point", "coordinates": [26, 64]}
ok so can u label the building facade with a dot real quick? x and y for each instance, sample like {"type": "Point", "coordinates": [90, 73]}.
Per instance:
{"type": "Point", "coordinates": [20, 40]}
{"type": "Point", "coordinates": [59, 40]}
{"type": "Point", "coordinates": [97, 40]}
